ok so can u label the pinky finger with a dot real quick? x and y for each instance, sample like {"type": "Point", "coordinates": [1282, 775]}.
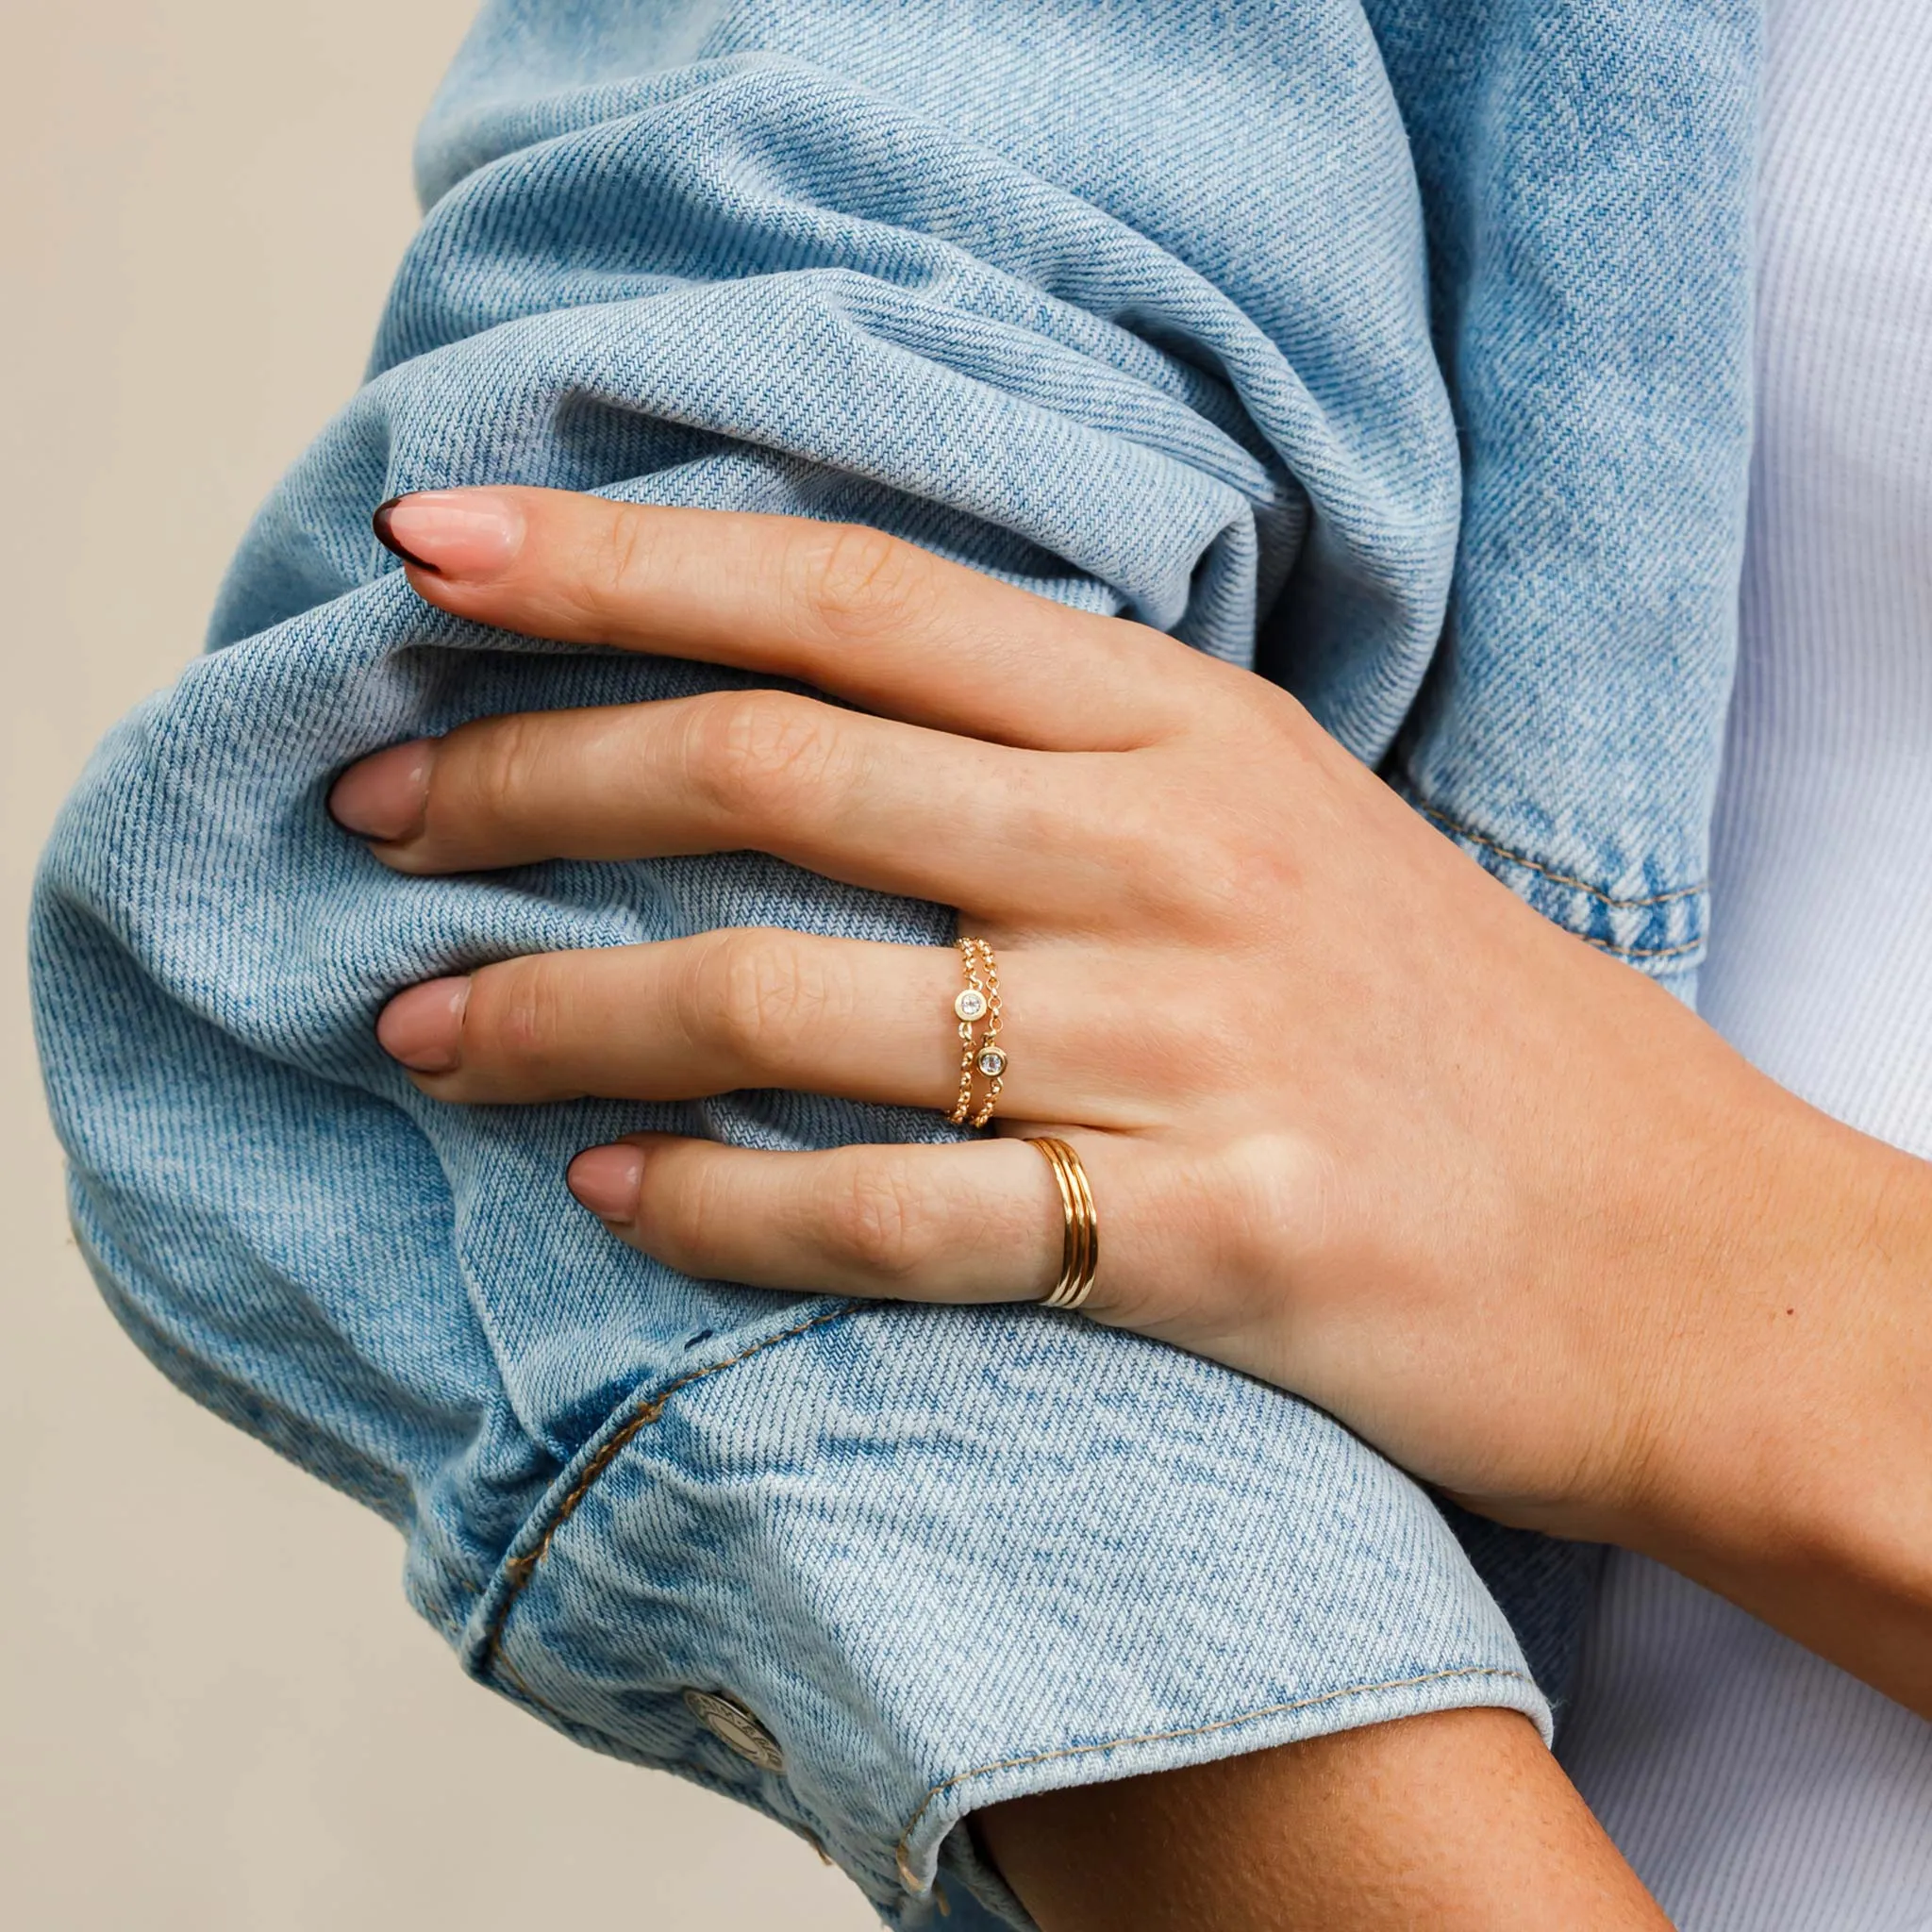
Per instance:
{"type": "Point", "coordinates": [978, 1221]}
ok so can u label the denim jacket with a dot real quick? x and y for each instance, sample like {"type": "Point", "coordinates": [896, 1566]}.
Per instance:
{"type": "Point", "coordinates": [1396, 349]}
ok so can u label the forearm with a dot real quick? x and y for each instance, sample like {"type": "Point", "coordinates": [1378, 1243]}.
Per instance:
{"type": "Point", "coordinates": [1458, 1820]}
{"type": "Point", "coordinates": [621, 1483]}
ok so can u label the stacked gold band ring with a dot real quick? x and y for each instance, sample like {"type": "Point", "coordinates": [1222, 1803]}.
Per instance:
{"type": "Point", "coordinates": [1080, 1248]}
{"type": "Point", "coordinates": [978, 999]}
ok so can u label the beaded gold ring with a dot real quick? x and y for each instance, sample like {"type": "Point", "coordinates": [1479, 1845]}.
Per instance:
{"type": "Point", "coordinates": [978, 1000]}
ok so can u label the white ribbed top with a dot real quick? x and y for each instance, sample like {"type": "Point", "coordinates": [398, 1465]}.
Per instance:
{"type": "Point", "coordinates": [1754, 1787]}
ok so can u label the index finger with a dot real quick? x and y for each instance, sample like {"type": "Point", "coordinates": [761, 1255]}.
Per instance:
{"type": "Point", "coordinates": [840, 606]}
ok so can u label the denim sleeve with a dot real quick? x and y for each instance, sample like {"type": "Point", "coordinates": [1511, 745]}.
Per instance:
{"type": "Point", "coordinates": [1123, 302]}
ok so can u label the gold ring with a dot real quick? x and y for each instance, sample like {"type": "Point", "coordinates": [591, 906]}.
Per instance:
{"type": "Point", "coordinates": [978, 999]}
{"type": "Point", "coordinates": [1080, 1244]}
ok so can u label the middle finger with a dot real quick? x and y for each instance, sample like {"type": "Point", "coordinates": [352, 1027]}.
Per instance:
{"type": "Point", "coordinates": [895, 806]}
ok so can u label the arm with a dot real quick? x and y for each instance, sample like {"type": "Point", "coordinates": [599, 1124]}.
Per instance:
{"type": "Point", "coordinates": [1074, 306]}
{"type": "Point", "coordinates": [1360, 1123]}
{"type": "Point", "coordinates": [936, 270]}
{"type": "Point", "coordinates": [1784, 1457]}
{"type": "Point", "coordinates": [1460, 1822]}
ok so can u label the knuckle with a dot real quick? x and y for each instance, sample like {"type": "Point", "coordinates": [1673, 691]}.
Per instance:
{"type": "Point", "coordinates": [749, 753]}
{"type": "Point", "coordinates": [618, 561]}
{"type": "Point", "coordinates": [875, 1221]}
{"type": "Point", "coordinates": [857, 581]}
{"type": "Point", "coordinates": [686, 1201]}
{"type": "Point", "coordinates": [1174, 869]}
{"type": "Point", "coordinates": [754, 993]}
{"type": "Point", "coordinates": [1269, 1195]}
{"type": "Point", "coordinates": [498, 767]}
{"type": "Point", "coordinates": [517, 1013]}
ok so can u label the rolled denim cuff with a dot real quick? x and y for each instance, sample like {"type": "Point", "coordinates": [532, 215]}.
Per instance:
{"type": "Point", "coordinates": [993, 1559]}
{"type": "Point", "coordinates": [993, 285]}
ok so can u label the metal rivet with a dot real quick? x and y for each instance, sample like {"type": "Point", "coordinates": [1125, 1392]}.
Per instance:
{"type": "Point", "coordinates": [729, 1721]}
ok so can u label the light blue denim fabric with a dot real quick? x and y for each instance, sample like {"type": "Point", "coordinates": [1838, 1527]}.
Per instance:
{"type": "Point", "coordinates": [1399, 354]}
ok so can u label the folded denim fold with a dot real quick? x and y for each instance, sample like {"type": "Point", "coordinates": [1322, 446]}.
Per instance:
{"type": "Point", "coordinates": [1196, 312]}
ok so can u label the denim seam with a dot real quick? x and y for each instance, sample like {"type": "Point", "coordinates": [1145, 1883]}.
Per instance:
{"type": "Point", "coordinates": [900, 1850]}
{"type": "Point", "coordinates": [651, 1409]}
{"type": "Point", "coordinates": [1641, 952]}
{"type": "Point", "coordinates": [521, 1569]}
{"type": "Point", "coordinates": [1559, 878]}
{"type": "Point", "coordinates": [497, 1661]}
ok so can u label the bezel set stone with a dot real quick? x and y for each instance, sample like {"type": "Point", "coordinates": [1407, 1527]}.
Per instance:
{"type": "Point", "coordinates": [977, 1003]}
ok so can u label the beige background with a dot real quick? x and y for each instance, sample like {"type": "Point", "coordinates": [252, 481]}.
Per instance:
{"type": "Point", "coordinates": [218, 1712]}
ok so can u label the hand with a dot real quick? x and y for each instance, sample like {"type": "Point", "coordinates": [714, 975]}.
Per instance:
{"type": "Point", "coordinates": [1356, 1120]}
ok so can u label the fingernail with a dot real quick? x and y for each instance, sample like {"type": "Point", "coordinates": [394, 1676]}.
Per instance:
{"type": "Point", "coordinates": [386, 796]}
{"type": "Point", "coordinates": [424, 1027]}
{"type": "Point", "coordinates": [469, 535]}
{"type": "Point", "coordinates": [606, 1179]}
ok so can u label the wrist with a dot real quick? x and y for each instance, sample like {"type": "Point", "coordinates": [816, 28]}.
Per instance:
{"type": "Point", "coordinates": [1779, 1448]}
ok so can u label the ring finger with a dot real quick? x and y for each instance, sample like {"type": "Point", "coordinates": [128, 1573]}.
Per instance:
{"type": "Point", "coordinates": [756, 1007]}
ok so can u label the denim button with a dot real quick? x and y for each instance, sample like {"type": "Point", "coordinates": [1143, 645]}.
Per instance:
{"type": "Point", "coordinates": [725, 1718]}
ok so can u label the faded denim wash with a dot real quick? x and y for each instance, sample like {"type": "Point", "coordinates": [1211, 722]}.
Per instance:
{"type": "Point", "coordinates": [1397, 353]}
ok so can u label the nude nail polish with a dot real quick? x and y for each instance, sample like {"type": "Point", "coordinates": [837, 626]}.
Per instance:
{"type": "Point", "coordinates": [424, 1027]}
{"type": "Point", "coordinates": [606, 1179]}
{"type": "Point", "coordinates": [468, 536]}
{"type": "Point", "coordinates": [386, 796]}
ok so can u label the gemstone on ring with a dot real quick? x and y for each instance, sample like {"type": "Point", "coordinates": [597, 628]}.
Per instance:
{"type": "Point", "coordinates": [971, 1004]}
{"type": "Point", "coordinates": [993, 1062]}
